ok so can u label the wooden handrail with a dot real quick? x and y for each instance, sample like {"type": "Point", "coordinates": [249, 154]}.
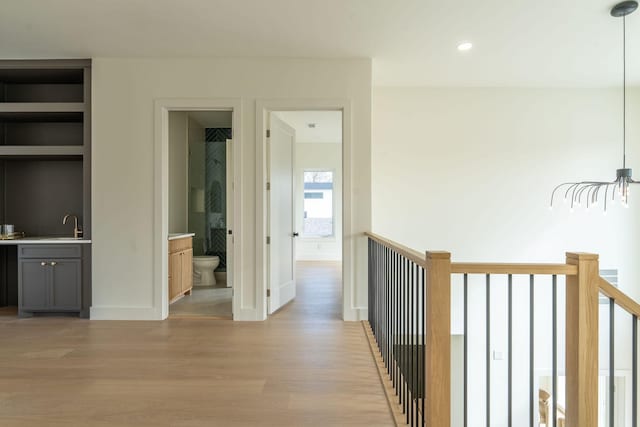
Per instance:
{"type": "Point", "coordinates": [502, 268]}
{"type": "Point", "coordinates": [478, 268]}
{"type": "Point", "coordinates": [412, 255]}
{"type": "Point", "coordinates": [619, 297]}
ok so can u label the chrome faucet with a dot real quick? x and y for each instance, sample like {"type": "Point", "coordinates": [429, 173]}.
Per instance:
{"type": "Point", "coordinates": [77, 232]}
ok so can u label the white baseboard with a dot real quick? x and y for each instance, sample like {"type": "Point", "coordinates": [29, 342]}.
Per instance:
{"type": "Point", "coordinates": [355, 314]}
{"type": "Point", "coordinates": [124, 313]}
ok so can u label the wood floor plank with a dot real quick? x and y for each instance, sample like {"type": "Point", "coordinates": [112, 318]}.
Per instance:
{"type": "Point", "coordinates": [302, 367]}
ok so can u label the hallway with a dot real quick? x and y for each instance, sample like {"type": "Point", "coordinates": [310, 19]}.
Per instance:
{"type": "Point", "coordinates": [304, 366]}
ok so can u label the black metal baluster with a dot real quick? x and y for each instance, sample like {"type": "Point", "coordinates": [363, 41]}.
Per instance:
{"type": "Point", "coordinates": [389, 312]}
{"type": "Point", "coordinates": [375, 290]}
{"type": "Point", "coordinates": [369, 280]}
{"type": "Point", "coordinates": [612, 361]}
{"type": "Point", "coordinates": [488, 355]}
{"type": "Point", "coordinates": [374, 285]}
{"type": "Point", "coordinates": [466, 341]}
{"type": "Point", "coordinates": [415, 345]}
{"type": "Point", "coordinates": [385, 319]}
{"type": "Point", "coordinates": [411, 332]}
{"type": "Point", "coordinates": [378, 284]}
{"type": "Point", "coordinates": [401, 353]}
{"type": "Point", "coordinates": [397, 328]}
{"type": "Point", "coordinates": [393, 317]}
{"type": "Point", "coordinates": [531, 349]}
{"type": "Point", "coordinates": [406, 341]}
{"type": "Point", "coordinates": [379, 291]}
{"type": "Point", "coordinates": [510, 350]}
{"type": "Point", "coordinates": [424, 334]}
{"type": "Point", "coordinates": [386, 309]}
{"type": "Point", "coordinates": [554, 346]}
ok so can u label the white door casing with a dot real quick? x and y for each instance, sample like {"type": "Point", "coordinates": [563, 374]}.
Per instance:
{"type": "Point", "coordinates": [163, 106]}
{"type": "Point", "coordinates": [230, 198]}
{"type": "Point", "coordinates": [281, 248]}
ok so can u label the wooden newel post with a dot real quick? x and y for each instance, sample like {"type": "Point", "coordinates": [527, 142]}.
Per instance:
{"type": "Point", "coordinates": [582, 341]}
{"type": "Point", "coordinates": [438, 340]}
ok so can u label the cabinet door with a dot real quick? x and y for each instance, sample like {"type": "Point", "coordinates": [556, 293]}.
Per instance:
{"type": "Point", "coordinates": [33, 277]}
{"type": "Point", "coordinates": [187, 270]}
{"type": "Point", "coordinates": [66, 279]}
{"type": "Point", "coordinates": [175, 275]}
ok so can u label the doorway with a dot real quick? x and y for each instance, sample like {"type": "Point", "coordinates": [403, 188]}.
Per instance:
{"type": "Point", "coordinates": [201, 209]}
{"type": "Point", "coordinates": [198, 200]}
{"type": "Point", "coordinates": [304, 198]}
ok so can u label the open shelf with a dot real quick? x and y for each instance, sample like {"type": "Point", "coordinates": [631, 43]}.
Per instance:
{"type": "Point", "coordinates": [40, 107]}
{"type": "Point", "coordinates": [41, 85]}
{"type": "Point", "coordinates": [26, 151]}
{"type": "Point", "coordinates": [21, 133]}
{"type": "Point", "coordinates": [31, 75]}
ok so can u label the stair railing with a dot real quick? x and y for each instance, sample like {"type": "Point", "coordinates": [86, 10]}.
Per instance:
{"type": "Point", "coordinates": [410, 325]}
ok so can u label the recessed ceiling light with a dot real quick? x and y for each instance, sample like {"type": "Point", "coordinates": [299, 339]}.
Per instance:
{"type": "Point", "coordinates": [311, 125]}
{"type": "Point", "coordinates": [464, 46]}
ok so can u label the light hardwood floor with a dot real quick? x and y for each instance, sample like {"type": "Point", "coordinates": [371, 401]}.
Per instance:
{"type": "Point", "coordinates": [303, 367]}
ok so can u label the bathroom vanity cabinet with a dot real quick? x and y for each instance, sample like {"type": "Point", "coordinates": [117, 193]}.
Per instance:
{"type": "Point", "coordinates": [180, 267]}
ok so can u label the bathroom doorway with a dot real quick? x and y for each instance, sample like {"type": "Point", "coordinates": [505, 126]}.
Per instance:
{"type": "Point", "coordinates": [201, 208]}
{"type": "Point", "coordinates": [304, 172]}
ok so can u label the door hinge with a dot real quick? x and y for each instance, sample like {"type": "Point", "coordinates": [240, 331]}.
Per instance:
{"type": "Point", "coordinates": [268, 133]}
{"type": "Point", "coordinates": [268, 186]}
{"type": "Point", "coordinates": [268, 240]}
{"type": "Point", "coordinates": [268, 293]}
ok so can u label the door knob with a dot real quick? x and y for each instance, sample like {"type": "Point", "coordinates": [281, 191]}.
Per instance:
{"type": "Point", "coordinates": [43, 263]}
{"type": "Point", "coordinates": [296, 234]}
{"type": "Point", "coordinates": [53, 264]}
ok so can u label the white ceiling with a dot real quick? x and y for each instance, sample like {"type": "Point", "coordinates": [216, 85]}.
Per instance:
{"type": "Point", "coordinates": [212, 119]}
{"type": "Point", "coordinates": [412, 42]}
{"type": "Point", "coordinates": [328, 125]}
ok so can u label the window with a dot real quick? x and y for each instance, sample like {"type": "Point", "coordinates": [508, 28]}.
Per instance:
{"type": "Point", "coordinates": [318, 204]}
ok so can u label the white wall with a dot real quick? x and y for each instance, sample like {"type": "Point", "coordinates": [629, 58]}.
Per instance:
{"type": "Point", "coordinates": [471, 171]}
{"type": "Point", "coordinates": [310, 156]}
{"type": "Point", "coordinates": [178, 164]}
{"type": "Point", "coordinates": [124, 90]}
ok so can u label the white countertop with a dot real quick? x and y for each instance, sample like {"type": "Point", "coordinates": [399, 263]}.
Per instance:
{"type": "Point", "coordinates": [44, 241]}
{"type": "Point", "coordinates": [176, 236]}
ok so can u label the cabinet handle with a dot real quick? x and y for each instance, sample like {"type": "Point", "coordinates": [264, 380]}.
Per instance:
{"type": "Point", "coordinates": [53, 264]}
{"type": "Point", "coordinates": [43, 263]}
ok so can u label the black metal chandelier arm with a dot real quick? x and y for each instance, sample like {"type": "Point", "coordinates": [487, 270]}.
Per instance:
{"type": "Point", "coordinates": [576, 191]}
{"type": "Point", "coordinates": [592, 191]}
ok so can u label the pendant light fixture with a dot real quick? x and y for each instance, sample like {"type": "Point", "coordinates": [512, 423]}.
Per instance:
{"type": "Point", "coordinates": [591, 192]}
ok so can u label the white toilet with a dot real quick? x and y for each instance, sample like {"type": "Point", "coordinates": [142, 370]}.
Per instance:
{"type": "Point", "coordinates": [203, 267]}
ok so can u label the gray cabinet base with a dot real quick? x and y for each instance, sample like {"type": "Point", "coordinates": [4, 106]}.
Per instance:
{"type": "Point", "coordinates": [54, 279]}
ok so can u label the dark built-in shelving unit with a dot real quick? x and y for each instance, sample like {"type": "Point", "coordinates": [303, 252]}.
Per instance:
{"type": "Point", "coordinates": [45, 154]}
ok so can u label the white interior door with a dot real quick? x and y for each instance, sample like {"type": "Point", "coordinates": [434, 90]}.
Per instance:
{"type": "Point", "coordinates": [229, 213]}
{"type": "Point", "coordinates": [281, 246]}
